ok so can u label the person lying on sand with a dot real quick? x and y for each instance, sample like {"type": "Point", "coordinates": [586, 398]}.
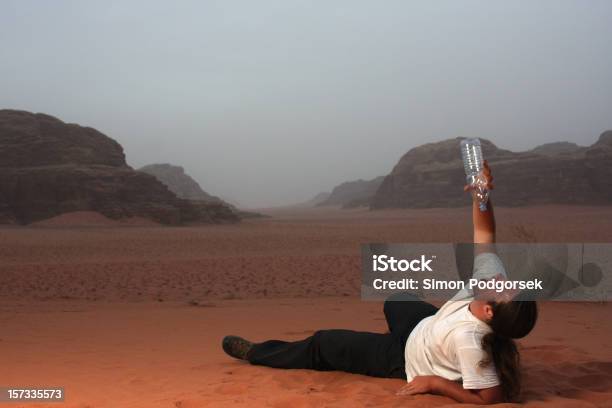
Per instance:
{"type": "Point", "coordinates": [463, 350]}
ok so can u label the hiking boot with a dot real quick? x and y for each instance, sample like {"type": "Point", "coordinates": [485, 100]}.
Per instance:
{"type": "Point", "coordinates": [236, 347]}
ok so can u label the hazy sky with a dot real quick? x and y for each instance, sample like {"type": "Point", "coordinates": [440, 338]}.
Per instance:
{"type": "Point", "coordinates": [269, 102]}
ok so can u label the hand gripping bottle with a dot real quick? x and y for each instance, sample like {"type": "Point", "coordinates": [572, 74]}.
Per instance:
{"type": "Point", "coordinates": [471, 152]}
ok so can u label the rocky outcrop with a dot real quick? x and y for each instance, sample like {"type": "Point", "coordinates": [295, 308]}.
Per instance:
{"type": "Point", "coordinates": [353, 193]}
{"type": "Point", "coordinates": [48, 167]}
{"type": "Point", "coordinates": [179, 182]}
{"type": "Point", "coordinates": [557, 148]}
{"type": "Point", "coordinates": [432, 176]}
{"type": "Point", "coordinates": [317, 199]}
{"type": "Point", "coordinates": [184, 186]}
{"type": "Point", "coordinates": [36, 140]}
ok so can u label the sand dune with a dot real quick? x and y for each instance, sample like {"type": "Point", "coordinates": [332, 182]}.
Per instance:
{"type": "Point", "coordinates": [91, 219]}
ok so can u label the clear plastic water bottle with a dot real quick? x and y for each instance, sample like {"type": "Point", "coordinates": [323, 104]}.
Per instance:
{"type": "Point", "coordinates": [471, 151]}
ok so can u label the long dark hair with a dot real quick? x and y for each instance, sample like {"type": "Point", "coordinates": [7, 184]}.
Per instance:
{"type": "Point", "coordinates": [511, 320]}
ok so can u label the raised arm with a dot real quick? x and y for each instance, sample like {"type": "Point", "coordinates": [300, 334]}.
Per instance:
{"type": "Point", "coordinates": [483, 221]}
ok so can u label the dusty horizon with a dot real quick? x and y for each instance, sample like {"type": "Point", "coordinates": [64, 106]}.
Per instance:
{"type": "Point", "coordinates": [271, 103]}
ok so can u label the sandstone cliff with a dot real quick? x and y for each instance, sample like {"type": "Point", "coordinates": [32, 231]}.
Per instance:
{"type": "Point", "coordinates": [179, 182]}
{"type": "Point", "coordinates": [317, 199]}
{"type": "Point", "coordinates": [432, 176]}
{"type": "Point", "coordinates": [48, 167]}
{"type": "Point", "coordinates": [184, 186]}
{"type": "Point", "coordinates": [557, 148]}
{"type": "Point", "coordinates": [353, 193]}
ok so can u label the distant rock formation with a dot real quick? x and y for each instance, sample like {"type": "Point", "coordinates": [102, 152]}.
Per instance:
{"type": "Point", "coordinates": [48, 167]}
{"type": "Point", "coordinates": [353, 193]}
{"type": "Point", "coordinates": [317, 199]}
{"type": "Point", "coordinates": [184, 186]}
{"type": "Point", "coordinates": [557, 148]}
{"type": "Point", "coordinates": [179, 182]}
{"type": "Point", "coordinates": [432, 176]}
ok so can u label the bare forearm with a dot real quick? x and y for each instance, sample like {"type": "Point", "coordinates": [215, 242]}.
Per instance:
{"type": "Point", "coordinates": [484, 223]}
{"type": "Point", "coordinates": [454, 390]}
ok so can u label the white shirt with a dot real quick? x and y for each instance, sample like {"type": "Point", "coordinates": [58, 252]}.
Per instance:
{"type": "Point", "coordinates": [448, 344]}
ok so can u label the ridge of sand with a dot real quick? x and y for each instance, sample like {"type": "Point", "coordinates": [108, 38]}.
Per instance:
{"type": "Point", "coordinates": [91, 219]}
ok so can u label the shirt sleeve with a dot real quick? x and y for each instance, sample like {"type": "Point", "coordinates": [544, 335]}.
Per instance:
{"type": "Point", "coordinates": [474, 375]}
{"type": "Point", "coordinates": [487, 265]}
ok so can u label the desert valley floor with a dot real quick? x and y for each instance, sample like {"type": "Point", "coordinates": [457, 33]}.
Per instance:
{"type": "Point", "coordinates": [132, 314]}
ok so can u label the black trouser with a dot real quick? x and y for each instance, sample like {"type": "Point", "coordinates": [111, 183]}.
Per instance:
{"type": "Point", "coordinates": [374, 354]}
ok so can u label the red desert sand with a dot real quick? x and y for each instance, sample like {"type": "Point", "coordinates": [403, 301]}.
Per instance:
{"type": "Point", "coordinates": [134, 316]}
